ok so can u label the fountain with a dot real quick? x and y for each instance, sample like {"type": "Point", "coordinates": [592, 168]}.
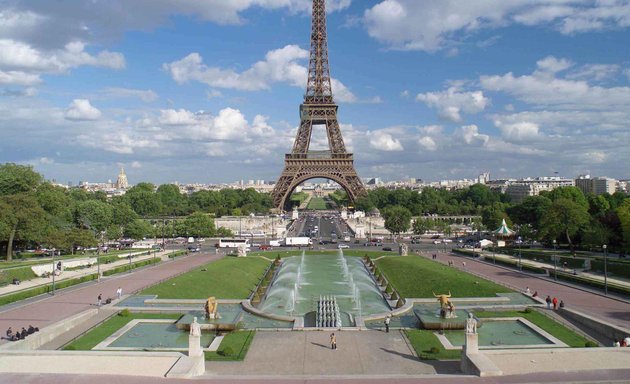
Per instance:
{"type": "Point", "coordinates": [327, 290]}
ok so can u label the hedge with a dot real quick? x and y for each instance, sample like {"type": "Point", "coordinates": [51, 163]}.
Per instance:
{"type": "Point", "coordinates": [592, 283]}
{"type": "Point", "coordinates": [129, 267]}
{"type": "Point", "coordinates": [21, 295]}
{"type": "Point", "coordinates": [613, 268]}
{"type": "Point", "coordinates": [175, 254]}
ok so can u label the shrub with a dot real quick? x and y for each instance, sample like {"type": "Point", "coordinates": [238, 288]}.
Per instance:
{"type": "Point", "coordinates": [227, 351]}
{"type": "Point", "coordinates": [591, 344]}
{"type": "Point", "coordinates": [124, 313]}
{"type": "Point", "coordinates": [527, 310]}
{"type": "Point", "coordinates": [434, 350]}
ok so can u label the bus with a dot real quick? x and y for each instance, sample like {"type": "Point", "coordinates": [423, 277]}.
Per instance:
{"type": "Point", "coordinates": [233, 243]}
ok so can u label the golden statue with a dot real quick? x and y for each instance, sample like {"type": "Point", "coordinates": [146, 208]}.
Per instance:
{"type": "Point", "coordinates": [443, 299]}
{"type": "Point", "coordinates": [211, 308]}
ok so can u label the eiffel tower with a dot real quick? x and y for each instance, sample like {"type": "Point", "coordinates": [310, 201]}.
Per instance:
{"type": "Point", "coordinates": [318, 108]}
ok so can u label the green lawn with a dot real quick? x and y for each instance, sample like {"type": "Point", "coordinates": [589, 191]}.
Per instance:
{"type": "Point", "coordinates": [428, 347]}
{"type": "Point", "coordinates": [317, 203]}
{"type": "Point", "coordinates": [234, 347]}
{"type": "Point", "coordinates": [415, 276]}
{"type": "Point", "coordinates": [228, 278]}
{"type": "Point", "coordinates": [551, 326]}
{"type": "Point", "coordinates": [103, 331]}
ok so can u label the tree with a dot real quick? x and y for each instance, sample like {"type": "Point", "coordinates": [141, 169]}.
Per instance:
{"type": "Point", "coordinates": [564, 218]}
{"type": "Point", "coordinates": [22, 219]}
{"type": "Point", "coordinates": [199, 225]}
{"type": "Point", "coordinates": [422, 225]}
{"type": "Point", "coordinates": [143, 200]}
{"type": "Point", "coordinates": [397, 219]}
{"type": "Point", "coordinates": [138, 229]}
{"type": "Point", "coordinates": [623, 212]}
{"type": "Point", "coordinates": [94, 215]}
{"type": "Point", "coordinates": [569, 193]}
{"type": "Point", "coordinates": [16, 179]}
{"type": "Point", "coordinates": [492, 216]}
{"type": "Point", "coordinates": [530, 211]}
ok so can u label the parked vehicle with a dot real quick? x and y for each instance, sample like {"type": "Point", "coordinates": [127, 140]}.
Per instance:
{"type": "Point", "coordinates": [342, 246]}
{"type": "Point", "coordinates": [298, 241]}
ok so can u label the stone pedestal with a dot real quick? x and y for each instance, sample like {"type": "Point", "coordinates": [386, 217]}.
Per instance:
{"type": "Point", "coordinates": [471, 344]}
{"type": "Point", "coordinates": [241, 251]}
{"type": "Point", "coordinates": [194, 346]}
{"type": "Point", "coordinates": [344, 214]}
{"type": "Point", "coordinates": [403, 249]}
{"type": "Point", "coordinates": [295, 215]}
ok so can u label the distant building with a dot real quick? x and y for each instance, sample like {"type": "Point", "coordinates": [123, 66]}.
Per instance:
{"type": "Point", "coordinates": [596, 185]}
{"type": "Point", "coordinates": [121, 182]}
{"type": "Point", "coordinates": [520, 189]}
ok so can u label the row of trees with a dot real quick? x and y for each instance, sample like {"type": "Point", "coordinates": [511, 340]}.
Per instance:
{"type": "Point", "coordinates": [36, 213]}
{"type": "Point", "coordinates": [565, 214]}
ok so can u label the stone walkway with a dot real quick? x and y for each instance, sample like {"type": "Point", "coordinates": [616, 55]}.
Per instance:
{"type": "Point", "coordinates": [610, 309]}
{"type": "Point", "coordinates": [46, 310]}
{"type": "Point", "coordinates": [362, 353]}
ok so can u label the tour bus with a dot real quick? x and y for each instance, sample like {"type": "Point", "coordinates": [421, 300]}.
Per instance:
{"type": "Point", "coordinates": [233, 243]}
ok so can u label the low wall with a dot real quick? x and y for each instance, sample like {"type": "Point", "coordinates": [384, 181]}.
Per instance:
{"type": "Point", "coordinates": [602, 332]}
{"type": "Point", "coordinates": [51, 332]}
{"type": "Point", "coordinates": [42, 269]}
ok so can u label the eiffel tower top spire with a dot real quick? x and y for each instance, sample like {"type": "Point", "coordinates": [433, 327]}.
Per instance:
{"type": "Point", "coordinates": [318, 87]}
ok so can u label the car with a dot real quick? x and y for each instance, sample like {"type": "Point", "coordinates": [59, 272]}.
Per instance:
{"type": "Point", "coordinates": [447, 241]}
{"type": "Point", "coordinates": [193, 248]}
{"type": "Point", "coordinates": [340, 246]}
{"type": "Point", "coordinates": [387, 248]}
{"type": "Point", "coordinates": [264, 247]}
{"type": "Point", "coordinates": [437, 242]}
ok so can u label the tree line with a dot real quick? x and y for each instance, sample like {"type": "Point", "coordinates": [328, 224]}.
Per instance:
{"type": "Point", "coordinates": [34, 212]}
{"type": "Point", "coordinates": [564, 215]}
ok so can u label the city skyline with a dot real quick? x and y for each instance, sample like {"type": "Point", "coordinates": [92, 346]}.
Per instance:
{"type": "Point", "coordinates": [208, 91]}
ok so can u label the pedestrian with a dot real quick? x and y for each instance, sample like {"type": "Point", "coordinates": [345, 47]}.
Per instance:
{"type": "Point", "coordinates": [561, 304]}
{"type": "Point", "coordinates": [627, 341]}
{"type": "Point", "coordinates": [119, 292]}
{"type": "Point", "coordinates": [548, 301]}
{"type": "Point", "coordinates": [387, 320]}
{"type": "Point", "coordinates": [555, 303]}
{"type": "Point", "coordinates": [527, 291]}
{"type": "Point", "coordinates": [333, 341]}
{"type": "Point", "coordinates": [99, 300]}
{"type": "Point", "coordinates": [463, 265]}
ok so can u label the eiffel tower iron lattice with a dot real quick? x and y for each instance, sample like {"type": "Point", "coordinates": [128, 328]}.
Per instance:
{"type": "Point", "coordinates": [318, 108]}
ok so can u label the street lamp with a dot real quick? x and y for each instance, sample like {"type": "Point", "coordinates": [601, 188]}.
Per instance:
{"type": "Point", "coordinates": [605, 269]}
{"type": "Point", "coordinates": [53, 271]}
{"type": "Point", "coordinates": [555, 261]}
{"type": "Point", "coordinates": [520, 263]}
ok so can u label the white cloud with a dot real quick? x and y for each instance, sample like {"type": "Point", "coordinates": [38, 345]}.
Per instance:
{"type": "Point", "coordinates": [451, 103]}
{"type": "Point", "coordinates": [383, 141]}
{"type": "Point", "coordinates": [435, 25]}
{"type": "Point", "coordinates": [519, 132]}
{"type": "Point", "coordinates": [596, 157]}
{"type": "Point", "coordinates": [551, 64]}
{"type": "Point", "coordinates": [470, 135]}
{"type": "Point", "coordinates": [136, 165]}
{"type": "Point", "coordinates": [22, 64]}
{"type": "Point", "coordinates": [176, 117]}
{"type": "Point", "coordinates": [596, 72]}
{"type": "Point", "coordinates": [279, 66]}
{"type": "Point", "coordinates": [81, 109]}
{"type": "Point", "coordinates": [627, 73]}
{"type": "Point", "coordinates": [427, 143]}
{"type": "Point", "coordinates": [544, 88]}
{"type": "Point", "coordinates": [145, 95]}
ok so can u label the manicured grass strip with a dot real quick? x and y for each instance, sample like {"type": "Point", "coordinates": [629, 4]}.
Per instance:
{"type": "Point", "coordinates": [428, 347]}
{"type": "Point", "coordinates": [317, 203]}
{"type": "Point", "coordinates": [551, 326]}
{"type": "Point", "coordinates": [228, 278]}
{"type": "Point", "coordinates": [21, 295]}
{"type": "Point", "coordinates": [103, 331]}
{"type": "Point", "coordinates": [288, 252]}
{"type": "Point", "coordinates": [234, 347]}
{"type": "Point", "coordinates": [22, 273]}
{"type": "Point", "coordinates": [415, 276]}
{"type": "Point", "coordinates": [129, 267]}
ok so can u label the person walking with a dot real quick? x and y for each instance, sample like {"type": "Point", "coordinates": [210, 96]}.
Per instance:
{"type": "Point", "coordinates": [548, 301]}
{"type": "Point", "coordinates": [555, 303]}
{"type": "Point", "coordinates": [119, 293]}
{"type": "Point", "coordinates": [387, 320]}
{"type": "Point", "coordinates": [99, 300]}
{"type": "Point", "coordinates": [333, 341]}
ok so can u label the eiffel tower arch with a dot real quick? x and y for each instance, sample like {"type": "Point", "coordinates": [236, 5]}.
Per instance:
{"type": "Point", "coordinates": [318, 108]}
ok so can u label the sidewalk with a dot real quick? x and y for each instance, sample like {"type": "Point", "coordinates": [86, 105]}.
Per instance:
{"type": "Point", "coordinates": [66, 275]}
{"type": "Point", "coordinates": [551, 267]}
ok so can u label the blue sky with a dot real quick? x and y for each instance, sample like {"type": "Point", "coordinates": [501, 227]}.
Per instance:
{"type": "Point", "coordinates": [209, 90]}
